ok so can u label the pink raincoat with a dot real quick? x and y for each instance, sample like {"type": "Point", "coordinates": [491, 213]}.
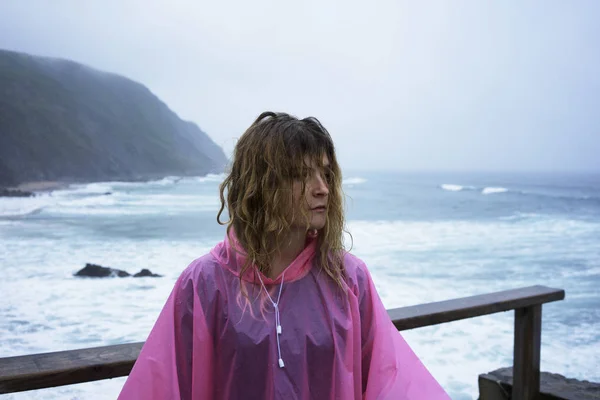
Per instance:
{"type": "Point", "coordinates": [209, 342]}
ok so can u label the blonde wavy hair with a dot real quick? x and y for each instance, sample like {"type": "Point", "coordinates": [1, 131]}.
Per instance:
{"type": "Point", "coordinates": [268, 158]}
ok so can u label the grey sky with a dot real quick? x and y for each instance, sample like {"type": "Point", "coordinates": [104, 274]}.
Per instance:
{"type": "Point", "coordinates": [475, 85]}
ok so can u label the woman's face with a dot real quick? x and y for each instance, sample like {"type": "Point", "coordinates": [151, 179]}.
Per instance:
{"type": "Point", "coordinates": [315, 197]}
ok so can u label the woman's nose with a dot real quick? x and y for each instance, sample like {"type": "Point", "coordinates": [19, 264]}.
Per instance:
{"type": "Point", "coordinates": [319, 186]}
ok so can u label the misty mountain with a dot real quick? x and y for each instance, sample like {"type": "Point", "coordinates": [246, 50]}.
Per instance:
{"type": "Point", "coordinates": [60, 120]}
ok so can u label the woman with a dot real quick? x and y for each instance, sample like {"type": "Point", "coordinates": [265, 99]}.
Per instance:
{"type": "Point", "coordinates": [278, 309]}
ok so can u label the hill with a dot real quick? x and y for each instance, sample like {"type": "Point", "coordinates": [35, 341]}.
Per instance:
{"type": "Point", "coordinates": [64, 121]}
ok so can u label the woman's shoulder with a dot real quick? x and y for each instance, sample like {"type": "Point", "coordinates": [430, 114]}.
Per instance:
{"type": "Point", "coordinates": [356, 270]}
{"type": "Point", "coordinates": [201, 268]}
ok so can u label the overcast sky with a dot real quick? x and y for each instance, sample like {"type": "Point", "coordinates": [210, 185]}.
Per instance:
{"type": "Point", "coordinates": [436, 85]}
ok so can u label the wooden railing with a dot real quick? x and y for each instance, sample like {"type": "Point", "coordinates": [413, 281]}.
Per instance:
{"type": "Point", "coordinates": [37, 371]}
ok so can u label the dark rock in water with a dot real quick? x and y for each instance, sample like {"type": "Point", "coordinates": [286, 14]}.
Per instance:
{"type": "Point", "coordinates": [146, 272]}
{"type": "Point", "coordinates": [497, 385]}
{"type": "Point", "coordinates": [14, 193]}
{"type": "Point", "coordinates": [97, 271]}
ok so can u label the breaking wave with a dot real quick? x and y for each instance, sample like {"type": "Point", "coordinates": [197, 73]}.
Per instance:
{"type": "Point", "coordinates": [16, 207]}
{"type": "Point", "coordinates": [452, 188]}
{"type": "Point", "coordinates": [489, 190]}
{"type": "Point", "coordinates": [354, 181]}
{"type": "Point", "coordinates": [111, 198]}
{"type": "Point", "coordinates": [492, 190]}
{"type": "Point", "coordinates": [484, 190]}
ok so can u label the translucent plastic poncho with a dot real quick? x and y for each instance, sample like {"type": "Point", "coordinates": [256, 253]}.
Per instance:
{"type": "Point", "coordinates": [210, 342]}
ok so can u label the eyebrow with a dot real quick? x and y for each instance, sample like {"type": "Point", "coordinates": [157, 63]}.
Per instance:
{"type": "Point", "coordinates": [325, 165]}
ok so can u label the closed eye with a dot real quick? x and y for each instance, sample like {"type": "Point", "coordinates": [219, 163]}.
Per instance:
{"type": "Point", "coordinates": [328, 174]}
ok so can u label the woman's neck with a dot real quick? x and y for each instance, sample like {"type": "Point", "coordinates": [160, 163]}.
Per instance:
{"type": "Point", "coordinates": [292, 246]}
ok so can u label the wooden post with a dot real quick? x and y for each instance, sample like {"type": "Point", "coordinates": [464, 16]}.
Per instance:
{"type": "Point", "coordinates": [526, 368]}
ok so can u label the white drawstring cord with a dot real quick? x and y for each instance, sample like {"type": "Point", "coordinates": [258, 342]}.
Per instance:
{"type": "Point", "coordinates": [277, 319]}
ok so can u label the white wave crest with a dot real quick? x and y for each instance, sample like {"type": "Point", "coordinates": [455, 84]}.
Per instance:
{"type": "Point", "coordinates": [89, 188]}
{"type": "Point", "coordinates": [493, 190]}
{"type": "Point", "coordinates": [128, 204]}
{"type": "Point", "coordinates": [172, 200]}
{"type": "Point", "coordinates": [452, 188]}
{"type": "Point", "coordinates": [588, 272]}
{"type": "Point", "coordinates": [211, 178]}
{"type": "Point", "coordinates": [167, 180]}
{"type": "Point", "coordinates": [21, 206]}
{"type": "Point", "coordinates": [354, 181]}
{"type": "Point", "coordinates": [89, 201]}
{"type": "Point", "coordinates": [521, 216]}
{"type": "Point", "coordinates": [111, 186]}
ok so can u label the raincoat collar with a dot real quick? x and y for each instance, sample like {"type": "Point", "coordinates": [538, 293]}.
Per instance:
{"type": "Point", "coordinates": [230, 254]}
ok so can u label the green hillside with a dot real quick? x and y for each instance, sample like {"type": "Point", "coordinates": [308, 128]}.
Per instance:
{"type": "Point", "coordinates": [60, 120]}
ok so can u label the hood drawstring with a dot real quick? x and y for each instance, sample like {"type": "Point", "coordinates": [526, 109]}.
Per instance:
{"type": "Point", "coordinates": [277, 319]}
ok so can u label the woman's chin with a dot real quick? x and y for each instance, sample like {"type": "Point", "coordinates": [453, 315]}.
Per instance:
{"type": "Point", "coordinates": [317, 223]}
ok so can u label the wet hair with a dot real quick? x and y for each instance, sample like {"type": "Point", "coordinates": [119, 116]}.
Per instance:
{"type": "Point", "coordinates": [275, 151]}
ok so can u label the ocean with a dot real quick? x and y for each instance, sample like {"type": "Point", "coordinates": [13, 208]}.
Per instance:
{"type": "Point", "coordinates": [424, 236]}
